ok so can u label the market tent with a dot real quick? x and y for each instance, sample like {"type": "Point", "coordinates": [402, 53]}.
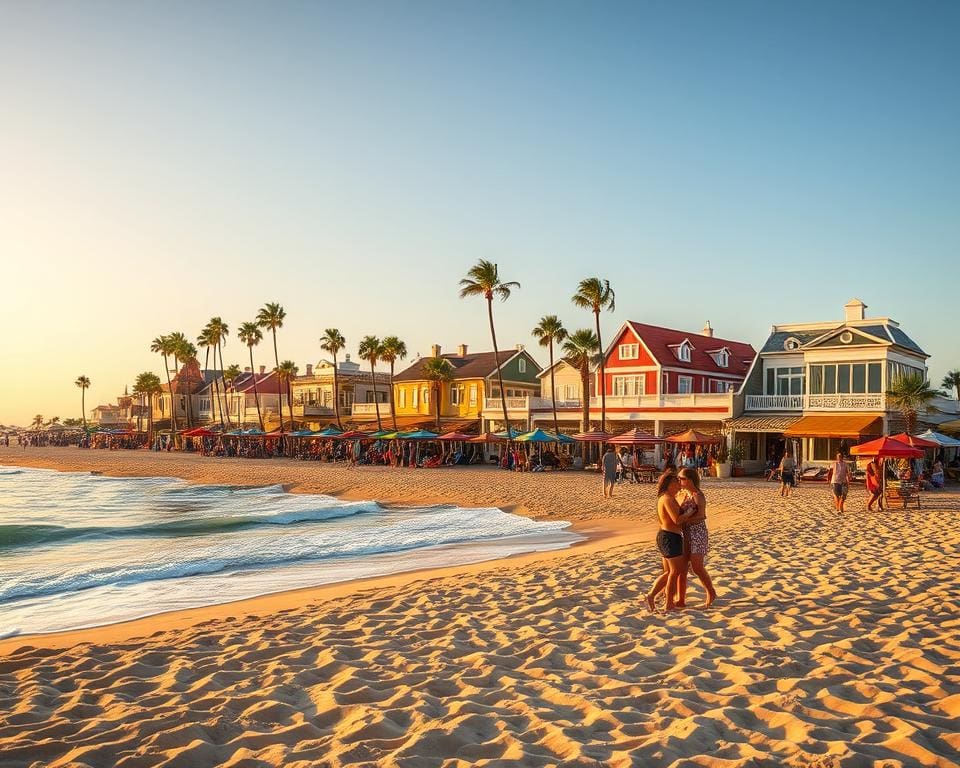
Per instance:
{"type": "Point", "coordinates": [951, 426]}
{"type": "Point", "coordinates": [692, 436]}
{"type": "Point", "coordinates": [302, 433]}
{"type": "Point", "coordinates": [635, 436]}
{"type": "Point", "coordinates": [199, 432]}
{"type": "Point", "coordinates": [329, 432]}
{"type": "Point", "coordinates": [381, 434]}
{"type": "Point", "coordinates": [452, 436]}
{"type": "Point", "coordinates": [420, 434]}
{"type": "Point", "coordinates": [944, 441]}
{"type": "Point", "coordinates": [514, 434]}
{"type": "Point", "coordinates": [592, 437]}
{"type": "Point", "coordinates": [488, 437]}
{"type": "Point", "coordinates": [352, 434]}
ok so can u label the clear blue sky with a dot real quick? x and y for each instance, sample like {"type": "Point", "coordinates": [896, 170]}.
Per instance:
{"type": "Point", "coordinates": [746, 163]}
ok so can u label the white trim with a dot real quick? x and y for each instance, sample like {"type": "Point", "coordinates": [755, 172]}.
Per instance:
{"type": "Point", "coordinates": [689, 380]}
{"type": "Point", "coordinates": [721, 374]}
{"type": "Point", "coordinates": [632, 346]}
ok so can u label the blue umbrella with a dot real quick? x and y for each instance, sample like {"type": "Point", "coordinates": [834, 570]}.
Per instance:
{"type": "Point", "coordinates": [537, 436]}
{"type": "Point", "coordinates": [329, 432]}
{"type": "Point", "coordinates": [514, 434]}
{"type": "Point", "coordinates": [420, 434]}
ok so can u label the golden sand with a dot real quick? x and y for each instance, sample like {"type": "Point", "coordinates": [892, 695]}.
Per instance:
{"type": "Point", "coordinates": [835, 641]}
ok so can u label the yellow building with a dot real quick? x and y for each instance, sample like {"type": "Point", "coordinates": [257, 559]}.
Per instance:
{"type": "Point", "coordinates": [474, 380]}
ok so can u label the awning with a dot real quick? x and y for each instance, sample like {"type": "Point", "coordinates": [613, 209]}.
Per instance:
{"type": "Point", "coordinates": [854, 425]}
{"type": "Point", "coordinates": [951, 426]}
{"type": "Point", "coordinates": [762, 423]}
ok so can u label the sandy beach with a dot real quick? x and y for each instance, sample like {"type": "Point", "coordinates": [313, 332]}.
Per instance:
{"type": "Point", "coordinates": [835, 642]}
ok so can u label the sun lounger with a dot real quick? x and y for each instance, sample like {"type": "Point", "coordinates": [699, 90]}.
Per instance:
{"type": "Point", "coordinates": [814, 474]}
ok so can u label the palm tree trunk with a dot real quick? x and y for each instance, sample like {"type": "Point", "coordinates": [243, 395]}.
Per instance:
{"type": "Point", "coordinates": [585, 406]}
{"type": "Point", "coordinates": [437, 398]}
{"type": "Point", "coordinates": [393, 409]}
{"type": "Point", "coordinates": [276, 358]}
{"type": "Point", "coordinates": [83, 407]}
{"type": "Point", "coordinates": [256, 394]}
{"type": "Point", "coordinates": [229, 424]}
{"type": "Point", "coordinates": [336, 393]}
{"type": "Point", "coordinates": [496, 354]}
{"type": "Point", "coordinates": [150, 420]}
{"type": "Point", "coordinates": [376, 403]}
{"type": "Point", "coordinates": [553, 395]}
{"type": "Point", "coordinates": [603, 378]}
{"type": "Point", "coordinates": [173, 410]}
{"type": "Point", "coordinates": [289, 402]}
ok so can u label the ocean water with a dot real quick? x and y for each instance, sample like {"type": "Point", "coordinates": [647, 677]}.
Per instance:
{"type": "Point", "coordinates": [79, 550]}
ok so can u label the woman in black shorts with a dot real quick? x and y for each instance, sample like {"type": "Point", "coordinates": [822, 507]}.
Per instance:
{"type": "Point", "coordinates": [669, 540]}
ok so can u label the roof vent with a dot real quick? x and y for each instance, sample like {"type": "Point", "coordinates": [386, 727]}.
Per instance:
{"type": "Point", "coordinates": [707, 330]}
{"type": "Point", "coordinates": [435, 350]}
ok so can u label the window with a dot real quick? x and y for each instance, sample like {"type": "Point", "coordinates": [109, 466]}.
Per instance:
{"type": "Point", "coordinates": [826, 448]}
{"type": "Point", "coordinates": [454, 395]}
{"type": "Point", "coordinates": [426, 396]}
{"type": "Point", "coordinates": [791, 344]}
{"type": "Point", "coordinates": [898, 370]}
{"type": "Point", "coordinates": [685, 385]}
{"type": "Point", "coordinates": [473, 394]}
{"type": "Point", "coordinates": [415, 396]}
{"type": "Point", "coordinates": [786, 381]}
{"type": "Point", "coordinates": [722, 358]}
{"type": "Point", "coordinates": [873, 377]}
{"type": "Point", "coordinates": [403, 398]}
{"type": "Point", "coordinates": [628, 385]}
{"type": "Point", "coordinates": [629, 351]}
{"type": "Point", "coordinates": [683, 352]}
{"type": "Point", "coordinates": [522, 365]}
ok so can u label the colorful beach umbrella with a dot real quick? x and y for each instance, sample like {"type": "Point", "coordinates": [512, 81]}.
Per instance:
{"type": "Point", "coordinates": [886, 448]}
{"type": "Point", "coordinates": [453, 436]}
{"type": "Point", "coordinates": [329, 432]}
{"type": "Point", "coordinates": [537, 436]}
{"type": "Point", "coordinates": [353, 434]}
{"type": "Point", "coordinates": [692, 436]}
{"type": "Point", "coordinates": [944, 441]}
{"type": "Point", "coordinates": [488, 437]}
{"type": "Point", "coordinates": [592, 437]}
{"type": "Point", "coordinates": [916, 442]}
{"type": "Point", "coordinates": [634, 437]}
{"type": "Point", "coordinates": [420, 434]}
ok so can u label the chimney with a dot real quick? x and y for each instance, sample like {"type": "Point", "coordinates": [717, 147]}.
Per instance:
{"type": "Point", "coordinates": [263, 369]}
{"type": "Point", "coordinates": [435, 350]}
{"type": "Point", "coordinates": [519, 347]}
{"type": "Point", "coordinates": [854, 310]}
{"type": "Point", "coordinates": [309, 369]}
{"type": "Point", "coordinates": [246, 369]}
{"type": "Point", "coordinates": [707, 330]}
{"type": "Point", "coordinates": [462, 350]}
{"type": "Point", "coordinates": [347, 358]}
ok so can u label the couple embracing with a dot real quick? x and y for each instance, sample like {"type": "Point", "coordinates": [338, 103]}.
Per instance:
{"type": "Point", "coordinates": [682, 540]}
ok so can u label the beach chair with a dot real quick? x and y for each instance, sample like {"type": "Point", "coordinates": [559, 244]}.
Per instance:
{"type": "Point", "coordinates": [902, 493]}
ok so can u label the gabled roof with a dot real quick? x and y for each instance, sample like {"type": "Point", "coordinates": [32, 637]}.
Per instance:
{"type": "Point", "coordinates": [267, 383]}
{"type": "Point", "coordinates": [661, 341]}
{"type": "Point", "coordinates": [477, 365]}
{"type": "Point", "coordinates": [882, 331]}
{"type": "Point", "coordinates": [556, 364]}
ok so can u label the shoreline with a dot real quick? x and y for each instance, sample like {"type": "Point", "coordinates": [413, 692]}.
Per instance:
{"type": "Point", "coordinates": [597, 533]}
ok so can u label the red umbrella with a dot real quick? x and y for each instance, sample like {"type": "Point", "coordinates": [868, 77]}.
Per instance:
{"type": "Point", "coordinates": [692, 436]}
{"type": "Point", "coordinates": [487, 437]}
{"type": "Point", "coordinates": [916, 442]}
{"type": "Point", "coordinates": [886, 448]}
{"type": "Point", "coordinates": [635, 436]}
{"type": "Point", "coordinates": [354, 434]}
{"type": "Point", "coordinates": [456, 436]}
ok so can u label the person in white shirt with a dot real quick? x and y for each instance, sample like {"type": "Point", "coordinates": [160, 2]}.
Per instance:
{"type": "Point", "coordinates": [840, 478]}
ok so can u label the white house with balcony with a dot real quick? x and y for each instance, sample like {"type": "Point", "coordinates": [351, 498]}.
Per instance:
{"type": "Point", "coordinates": [818, 388]}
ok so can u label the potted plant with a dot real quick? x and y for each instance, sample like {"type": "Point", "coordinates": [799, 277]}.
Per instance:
{"type": "Point", "coordinates": [736, 458]}
{"type": "Point", "coordinates": [723, 459]}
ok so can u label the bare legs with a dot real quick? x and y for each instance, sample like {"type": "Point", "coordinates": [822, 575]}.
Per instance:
{"type": "Point", "coordinates": [668, 580]}
{"type": "Point", "coordinates": [696, 562]}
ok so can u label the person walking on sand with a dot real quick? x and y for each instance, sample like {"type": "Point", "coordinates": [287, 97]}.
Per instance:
{"type": "Point", "coordinates": [669, 541]}
{"type": "Point", "coordinates": [696, 540]}
{"type": "Point", "coordinates": [839, 479]}
{"type": "Point", "coordinates": [610, 461]}
{"type": "Point", "coordinates": [874, 482]}
{"type": "Point", "coordinates": [787, 477]}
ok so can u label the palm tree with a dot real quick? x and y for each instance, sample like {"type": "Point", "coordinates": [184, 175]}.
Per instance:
{"type": "Point", "coordinates": [176, 340]}
{"type": "Point", "coordinates": [332, 341]}
{"type": "Point", "coordinates": [596, 294]}
{"type": "Point", "coordinates": [286, 372]}
{"type": "Point", "coordinates": [230, 375]}
{"type": "Point", "coordinates": [952, 379]}
{"type": "Point", "coordinates": [483, 279]}
{"type": "Point", "coordinates": [54, 420]}
{"type": "Point", "coordinates": [219, 333]}
{"type": "Point", "coordinates": [581, 349]}
{"type": "Point", "coordinates": [391, 350]}
{"type": "Point", "coordinates": [207, 340]}
{"type": "Point", "coordinates": [147, 385]}
{"type": "Point", "coordinates": [369, 350]}
{"type": "Point", "coordinates": [186, 353]}
{"type": "Point", "coordinates": [84, 383]}
{"type": "Point", "coordinates": [550, 331]}
{"type": "Point", "coordinates": [251, 335]}
{"type": "Point", "coordinates": [271, 316]}
{"type": "Point", "coordinates": [38, 420]}
{"type": "Point", "coordinates": [910, 394]}
{"type": "Point", "coordinates": [165, 347]}
{"type": "Point", "coordinates": [437, 370]}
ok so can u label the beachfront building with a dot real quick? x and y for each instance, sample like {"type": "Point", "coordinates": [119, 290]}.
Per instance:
{"type": "Point", "coordinates": [189, 394]}
{"type": "Point", "coordinates": [817, 388]}
{"type": "Point", "coordinates": [472, 397]}
{"type": "Point", "coordinates": [105, 416]}
{"type": "Point", "coordinates": [133, 411]}
{"type": "Point", "coordinates": [313, 393]}
{"type": "Point", "coordinates": [661, 380]}
{"type": "Point", "coordinates": [242, 401]}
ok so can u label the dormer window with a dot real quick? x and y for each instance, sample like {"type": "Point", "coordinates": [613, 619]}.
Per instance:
{"type": "Point", "coordinates": [791, 344]}
{"type": "Point", "coordinates": [683, 352]}
{"type": "Point", "coordinates": [522, 365]}
{"type": "Point", "coordinates": [722, 358]}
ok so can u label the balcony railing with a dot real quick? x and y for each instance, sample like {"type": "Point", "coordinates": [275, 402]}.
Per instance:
{"type": "Point", "coordinates": [842, 402]}
{"type": "Point", "coordinates": [647, 402]}
{"type": "Point", "coordinates": [314, 409]}
{"type": "Point", "coordinates": [495, 404]}
{"type": "Point", "coordinates": [370, 409]}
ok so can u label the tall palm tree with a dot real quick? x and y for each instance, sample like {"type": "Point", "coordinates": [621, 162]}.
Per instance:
{"type": "Point", "coordinates": [286, 372]}
{"type": "Point", "coordinates": [550, 331]}
{"type": "Point", "coordinates": [391, 350]}
{"type": "Point", "coordinates": [176, 341]}
{"type": "Point", "coordinates": [230, 374]}
{"type": "Point", "coordinates": [219, 333]}
{"type": "Point", "coordinates": [38, 420]}
{"type": "Point", "coordinates": [910, 394]}
{"type": "Point", "coordinates": [596, 294]}
{"type": "Point", "coordinates": [483, 279]}
{"type": "Point", "coordinates": [952, 379]}
{"type": "Point", "coordinates": [205, 340]}
{"type": "Point", "coordinates": [148, 385]}
{"type": "Point", "coordinates": [164, 346]}
{"type": "Point", "coordinates": [580, 349]}
{"type": "Point", "coordinates": [437, 370]}
{"type": "Point", "coordinates": [251, 335]}
{"type": "Point", "coordinates": [369, 350]}
{"type": "Point", "coordinates": [333, 341]}
{"type": "Point", "coordinates": [271, 317]}
{"type": "Point", "coordinates": [186, 353]}
{"type": "Point", "coordinates": [84, 383]}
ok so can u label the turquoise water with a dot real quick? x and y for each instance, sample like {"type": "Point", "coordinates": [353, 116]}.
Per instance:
{"type": "Point", "coordinates": [78, 550]}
